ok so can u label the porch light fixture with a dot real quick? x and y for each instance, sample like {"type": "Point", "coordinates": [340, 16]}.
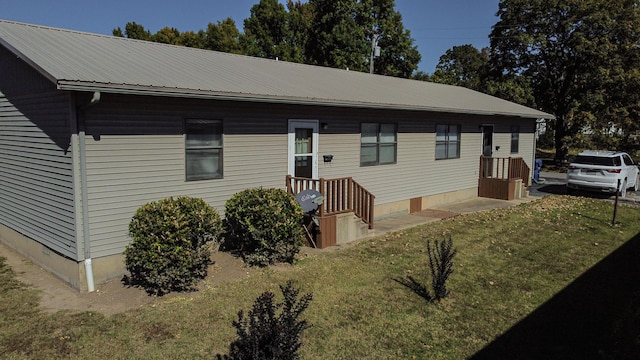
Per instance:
{"type": "Point", "coordinates": [324, 126]}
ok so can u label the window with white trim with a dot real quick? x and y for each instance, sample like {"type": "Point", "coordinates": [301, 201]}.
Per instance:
{"type": "Point", "coordinates": [447, 142]}
{"type": "Point", "coordinates": [203, 149]}
{"type": "Point", "coordinates": [378, 144]}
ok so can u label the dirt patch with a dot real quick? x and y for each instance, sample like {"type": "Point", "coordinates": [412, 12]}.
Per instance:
{"type": "Point", "coordinates": [113, 297]}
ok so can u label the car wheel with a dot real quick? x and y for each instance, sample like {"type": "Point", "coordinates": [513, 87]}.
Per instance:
{"type": "Point", "coordinates": [623, 189]}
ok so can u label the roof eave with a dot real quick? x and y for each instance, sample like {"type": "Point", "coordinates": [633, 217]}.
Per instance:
{"type": "Point", "coordinates": [263, 98]}
{"type": "Point", "coordinates": [27, 60]}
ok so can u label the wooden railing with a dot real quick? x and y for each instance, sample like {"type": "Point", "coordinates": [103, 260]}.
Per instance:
{"type": "Point", "coordinates": [498, 177]}
{"type": "Point", "coordinates": [504, 168]}
{"type": "Point", "coordinates": [340, 196]}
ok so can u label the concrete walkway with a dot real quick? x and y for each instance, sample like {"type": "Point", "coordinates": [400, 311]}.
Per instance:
{"type": "Point", "coordinates": [553, 183]}
{"type": "Point", "coordinates": [400, 222]}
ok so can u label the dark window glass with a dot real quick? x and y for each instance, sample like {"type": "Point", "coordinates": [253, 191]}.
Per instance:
{"type": "Point", "coordinates": [203, 149]}
{"type": "Point", "coordinates": [447, 142]}
{"type": "Point", "coordinates": [378, 144]}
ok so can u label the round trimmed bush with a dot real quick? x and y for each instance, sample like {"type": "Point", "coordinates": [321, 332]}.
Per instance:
{"type": "Point", "coordinates": [171, 244]}
{"type": "Point", "coordinates": [264, 226]}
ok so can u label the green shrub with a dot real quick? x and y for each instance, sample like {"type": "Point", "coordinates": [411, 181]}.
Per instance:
{"type": "Point", "coordinates": [171, 245]}
{"type": "Point", "coordinates": [263, 225]}
{"type": "Point", "coordinates": [264, 335]}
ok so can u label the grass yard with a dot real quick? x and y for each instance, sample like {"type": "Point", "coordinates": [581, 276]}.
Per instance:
{"type": "Point", "coordinates": [547, 279]}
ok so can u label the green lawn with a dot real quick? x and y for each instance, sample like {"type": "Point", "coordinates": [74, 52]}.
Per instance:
{"type": "Point", "coordinates": [546, 279]}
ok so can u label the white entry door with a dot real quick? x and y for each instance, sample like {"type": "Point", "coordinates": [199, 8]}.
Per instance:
{"type": "Point", "coordinates": [303, 148]}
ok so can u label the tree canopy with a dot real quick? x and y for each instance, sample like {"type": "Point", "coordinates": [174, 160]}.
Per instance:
{"type": "Point", "coordinates": [223, 36]}
{"type": "Point", "coordinates": [399, 56]}
{"type": "Point", "coordinates": [335, 33]}
{"type": "Point", "coordinates": [462, 66]}
{"type": "Point", "coordinates": [579, 57]}
{"type": "Point", "coordinates": [266, 30]}
{"type": "Point", "coordinates": [336, 39]}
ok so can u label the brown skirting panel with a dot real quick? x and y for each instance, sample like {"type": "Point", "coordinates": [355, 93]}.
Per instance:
{"type": "Point", "coordinates": [415, 205]}
{"type": "Point", "coordinates": [327, 233]}
{"type": "Point", "coordinates": [502, 189]}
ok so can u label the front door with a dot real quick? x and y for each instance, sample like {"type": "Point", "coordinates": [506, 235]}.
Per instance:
{"type": "Point", "coordinates": [303, 148]}
{"type": "Point", "coordinates": [487, 150]}
{"type": "Point", "coordinates": [487, 140]}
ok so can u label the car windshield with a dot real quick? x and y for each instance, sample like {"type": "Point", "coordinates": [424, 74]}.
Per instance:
{"type": "Point", "coordinates": [598, 160]}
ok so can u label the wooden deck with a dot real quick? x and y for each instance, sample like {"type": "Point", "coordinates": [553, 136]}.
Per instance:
{"type": "Point", "coordinates": [342, 195]}
{"type": "Point", "coordinates": [500, 177]}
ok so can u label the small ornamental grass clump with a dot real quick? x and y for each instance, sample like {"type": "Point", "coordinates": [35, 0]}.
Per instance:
{"type": "Point", "coordinates": [265, 335]}
{"type": "Point", "coordinates": [263, 226]}
{"type": "Point", "coordinates": [171, 246]}
{"type": "Point", "coordinates": [441, 266]}
{"type": "Point", "coordinates": [441, 255]}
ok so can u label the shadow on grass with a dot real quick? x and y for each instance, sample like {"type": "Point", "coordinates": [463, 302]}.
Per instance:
{"type": "Point", "coordinates": [597, 316]}
{"type": "Point", "coordinates": [555, 189]}
{"type": "Point", "coordinates": [561, 189]}
{"type": "Point", "coordinates": [415, 286]}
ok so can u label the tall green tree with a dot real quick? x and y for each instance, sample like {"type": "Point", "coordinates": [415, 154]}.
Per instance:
{"type": "Point", "coordinates": [223, 36]}
{"type": "Point", "coordinates": [515, 88]}
{"type": "Point", "coordinates": [614, 100]}
{"type": "Point", "coordinates": [399, 56]}
{"type": "Point", "coordinates": [266, 31]}
{"type": "Point", "coordinates": [300, 17]}
{"type": "Point", "coordinates": [462, 65]}
{"type": "Point", "coordinates": [336, 39]}
{"type": "Point", "coordinates": [191, 39]}
{"type": "Point", "coordinates": [344, 32]}
{"type": "Point", "coordinates": [421, 76]}
{"type": "Point", "coordinates": [167, 35]}
{"type": "Point", "coordinates": [576, 55]}
{"type": "Point", "coordinates": [133, 31]}
{"type": "Point", "coordinates": [334, 33]}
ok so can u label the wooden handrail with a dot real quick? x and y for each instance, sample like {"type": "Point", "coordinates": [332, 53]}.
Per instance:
{"type": "Point", "coordinates": [341, 195]}
{"type": "Point", "coordinates": [504, 168]}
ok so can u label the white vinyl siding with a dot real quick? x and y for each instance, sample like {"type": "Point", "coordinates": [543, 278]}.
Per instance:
{"type": "Point", "coordinates": [136, 154]}
{"type": "Point", "coordinates": [416, 172]}
{"type": "Point", "coordinates": [502, 138]}
{"type": "Point", "coordinates": [125, 172]}
{"type": "Point", "coordinates": [36, 170]}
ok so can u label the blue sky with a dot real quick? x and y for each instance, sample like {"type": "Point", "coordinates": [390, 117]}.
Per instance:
{"type": "Point", "coordinates": [436, 26]}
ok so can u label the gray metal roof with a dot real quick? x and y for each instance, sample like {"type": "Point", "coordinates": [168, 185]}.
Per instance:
{"type": "Point", "coordinates": [89, 62]}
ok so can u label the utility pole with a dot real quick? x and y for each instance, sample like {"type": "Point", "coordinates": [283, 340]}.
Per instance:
{"type": "Point", "coordinates": [375, 49]}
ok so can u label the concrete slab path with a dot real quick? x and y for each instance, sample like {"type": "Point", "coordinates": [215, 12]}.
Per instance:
{"type": "Point", "coordinates": [400, 222]}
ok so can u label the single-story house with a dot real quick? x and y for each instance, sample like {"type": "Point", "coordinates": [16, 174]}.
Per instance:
{"type": "Point", "coordinates": [93, 126]}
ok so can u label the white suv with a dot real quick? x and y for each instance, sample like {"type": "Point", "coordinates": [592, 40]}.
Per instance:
{"type": "Point", "coordinates": [601, 170]}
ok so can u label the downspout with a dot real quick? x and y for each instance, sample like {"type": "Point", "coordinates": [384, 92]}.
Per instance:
{"type": "Point", "coordinates": [88, 264]}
